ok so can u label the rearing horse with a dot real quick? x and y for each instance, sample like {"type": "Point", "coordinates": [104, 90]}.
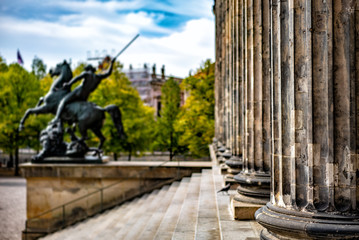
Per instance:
{"type": "Point", "coordinates": [87, 115]}
{"type": "Point", "coordinates": [55, 94]}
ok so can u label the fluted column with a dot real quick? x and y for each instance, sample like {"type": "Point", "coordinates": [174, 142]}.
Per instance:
{"type": "Point", "coordinates": [227, 87]}
{"type": "Point", "coordinates": [254, 179]}
{"type": "Point", "coordinates": [314, 118]}
{"type": "Point", "coordinates": [217, 79]}
{"type": "Point", "coordinates": [235, 161]}
{"type": "Point", "coordinates": [223, 81]}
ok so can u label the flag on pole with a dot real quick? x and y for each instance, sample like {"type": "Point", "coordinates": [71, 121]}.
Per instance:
{"type": "Point", "coordinates": [19, 58]}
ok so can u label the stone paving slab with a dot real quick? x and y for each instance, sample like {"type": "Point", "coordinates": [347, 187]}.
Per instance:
{"type": "Point", "coordinates": [12, 207]}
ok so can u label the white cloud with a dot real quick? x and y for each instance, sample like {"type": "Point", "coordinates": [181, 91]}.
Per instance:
{"type": "Point", "coordinates": [180, 51]}
{"type": "Point", "coordinates": [97, 26]}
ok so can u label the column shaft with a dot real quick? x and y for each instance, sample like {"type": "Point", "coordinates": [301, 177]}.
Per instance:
{"type": "Point", "coordinates": [254, 179]}
{"type": "Point", "coordinates": [314, 121]}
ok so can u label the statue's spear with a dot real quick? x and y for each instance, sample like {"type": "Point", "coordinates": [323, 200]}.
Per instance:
{"type": "Point", "coordinates": [104, 58]}
{"type": "Point", "coordinates": [128, 44]}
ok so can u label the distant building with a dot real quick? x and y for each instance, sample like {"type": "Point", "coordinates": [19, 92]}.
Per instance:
{"type": "Point", "coordinates": [149, 85]}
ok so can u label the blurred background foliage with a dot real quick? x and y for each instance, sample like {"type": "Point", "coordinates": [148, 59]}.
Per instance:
{"type": "Point", "coordinates": [179, 130]}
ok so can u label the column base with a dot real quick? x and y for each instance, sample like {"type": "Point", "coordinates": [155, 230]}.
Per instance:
{"type": "Point", "coordinates": [253, 187]}
{"type": "Point", "coordinates": [282, 223]}
{"type": "Point", "coordinates": [235, 164]}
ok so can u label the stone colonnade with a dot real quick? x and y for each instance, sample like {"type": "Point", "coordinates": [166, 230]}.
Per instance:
{"type": "Point", "coordinates": [287, 98]}
{"type": "Point", "coordinates": [243, 92]}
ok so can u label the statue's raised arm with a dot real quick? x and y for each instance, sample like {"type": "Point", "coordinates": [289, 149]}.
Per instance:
{"type": "Point", "coordinates": [90, 81]}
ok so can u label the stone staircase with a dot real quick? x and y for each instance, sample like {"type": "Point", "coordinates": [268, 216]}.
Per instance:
{"type": "Point", "coordinates": [189, 209]}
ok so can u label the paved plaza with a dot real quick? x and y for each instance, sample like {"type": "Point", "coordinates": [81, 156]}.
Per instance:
{"type": "Point", "coordinates": [12, 207]}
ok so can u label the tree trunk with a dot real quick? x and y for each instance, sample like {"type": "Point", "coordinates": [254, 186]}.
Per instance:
{"type": "Point", "coordinates": [17, 161]}
{"type": "Point", "coordinates": [17, 154]}
{"type": "Point", "coordinates": [10, 163]}
{"type": "Point", "coordinates": [129, 153]}
{"type": "Point", "coordinates": [171, 146]}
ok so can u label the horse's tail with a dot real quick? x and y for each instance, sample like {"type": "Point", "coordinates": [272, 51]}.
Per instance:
{"type": "Point", "coordinates": [115, 114]}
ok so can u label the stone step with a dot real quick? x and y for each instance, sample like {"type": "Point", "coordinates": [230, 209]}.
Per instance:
{"type": "Point", "coordinates": [169, 220]}
{"type": "Point", "coordinates": [77, 229]}
{"type": "Point", "coordinates": [122, 224]}
{"type": "Point", "coordinates": [120, 214]}
{"type": "Point", "coordinates": [101, 227]}
{"type": "Point", "coordinates": [207, 224]}
{"type": "Point", "coordinates": [136, 223]}
{"type": "Point", "coordinates": [167, 211]}
{"type": "Point", "coordinates": [161, 201]}
{"type": "Point", "coordinates": [186, 225]}
{"type": "Point", "coordinates": [231, 229]}
{"type": "Point", "coordinates": [84, 229]}
{"type": "Point", "coordinates": [98, 227]}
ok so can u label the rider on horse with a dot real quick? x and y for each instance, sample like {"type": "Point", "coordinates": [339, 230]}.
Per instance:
{"type": "Point", "coordinates": [82, 92]}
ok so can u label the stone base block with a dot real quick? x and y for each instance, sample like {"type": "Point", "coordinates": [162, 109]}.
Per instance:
{"type": "Point", "coordinates": [228, 178]}
{"type": "Point", "coordinates": [243, 211]}
{"type": "Point", "coordinates": [223, 168]}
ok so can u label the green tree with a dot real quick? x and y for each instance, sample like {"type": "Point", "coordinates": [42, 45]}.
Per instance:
{"type": "Point", "coordinates": [138, 120]}
{"type": "Point", "coordinates": [196, 120]}
{"type": "Point", "coordinates": [38, 68]}
{"type": "Point", "coordinates": [19, 90]}
{"type": "Point", "coordinates": [3, 66]}
{"type": "Point", "coordinates": [166, 136]}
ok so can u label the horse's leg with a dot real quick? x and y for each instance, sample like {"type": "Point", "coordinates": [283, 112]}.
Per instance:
{"type": "Point", "coordinates": [71, 131]}
{"type": "Point", "coordinates": [83, 130]}
{"type": "Point", "coordinates": [36, 110]}
{"type": "Point", "coordinates": [98, 133]}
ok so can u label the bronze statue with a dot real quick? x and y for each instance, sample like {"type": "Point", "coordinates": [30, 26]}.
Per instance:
{"type": "Point", "coordinates": [72, 107]}
{"type": "Point", "coordinates": [85, 115]}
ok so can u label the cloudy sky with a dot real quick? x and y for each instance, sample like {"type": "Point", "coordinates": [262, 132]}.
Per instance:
{"type": "Point", "coordinates": [179, 34]}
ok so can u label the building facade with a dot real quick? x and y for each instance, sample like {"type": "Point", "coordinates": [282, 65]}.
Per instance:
{"type": "Point", "coordinates": [287, 109]}
{"type": "Point", "coordinates": [149, 84]}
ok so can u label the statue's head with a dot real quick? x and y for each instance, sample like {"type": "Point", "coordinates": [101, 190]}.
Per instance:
{"type": "Point", "coordinates": [90, 68]}
{"type": "Point", "coordinates": [56, 71]}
